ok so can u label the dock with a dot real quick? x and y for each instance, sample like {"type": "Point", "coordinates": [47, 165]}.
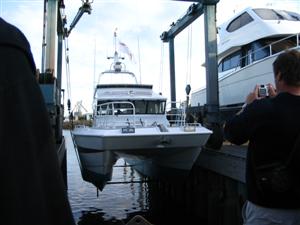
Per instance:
{"type": "Point", "coordinates": [215, 191]}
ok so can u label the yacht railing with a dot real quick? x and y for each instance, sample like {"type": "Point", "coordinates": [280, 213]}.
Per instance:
{"type": "Point", "coordinates": [270, 50]}
{"type": "Point", "coordinates": [176, 113]}
{"type": "Point", "coordinates": [115, 114]}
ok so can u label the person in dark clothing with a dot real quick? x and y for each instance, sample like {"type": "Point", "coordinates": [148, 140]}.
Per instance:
{"type": "Point", "coordinates": [32, 189]}
{"type": "Point", "coordinates": [271, 125]}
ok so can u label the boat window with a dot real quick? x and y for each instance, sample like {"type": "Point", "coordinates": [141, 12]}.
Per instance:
{"type": "Point", "coordinates": [259, 51]}
{"type": "Point", "coordinates": [278, 45]}
{"type": "Point", "coordinates": [294, 15]}
{"type": "Point", "coordinates": [104, 109]}
{"type": "Point", "coordinates": [271, 14]}
{"type": "Point", "coordinates": [220, 67]}
{"type": "Point", "coordinates": [239, 22]}
{"type": "Point", "coordinates": [155, 107]}
{"type": "Point", "coordinates": [230, 62]}
{"type": "Point", "coordinates": [123, 108]}
{"type": "Point", "coordinates": [140, 106]}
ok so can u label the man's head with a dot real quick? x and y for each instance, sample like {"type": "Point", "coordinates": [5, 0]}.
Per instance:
{"type": "Point", "coordinates": [287, 69]}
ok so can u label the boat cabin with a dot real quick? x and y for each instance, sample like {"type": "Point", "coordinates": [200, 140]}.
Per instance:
{"type": "Point", "coordinates": [255, 34]}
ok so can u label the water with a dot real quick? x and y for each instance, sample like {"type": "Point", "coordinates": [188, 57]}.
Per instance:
{"type": "Point", "coordinates": [118, 203]}
{"type": "Point", "coordinates": [114, 203]}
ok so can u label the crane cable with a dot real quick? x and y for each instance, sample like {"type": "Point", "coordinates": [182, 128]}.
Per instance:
{"type": "Point", "coordinates": [68, 72]}
{"type": "Point", "coordinates": [189, 55]}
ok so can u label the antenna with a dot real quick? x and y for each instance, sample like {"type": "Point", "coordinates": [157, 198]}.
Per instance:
{"type": "Point", "coordinates": [95, 52]}
{"type": "Point", "coordinates": [140, 71]}
{"type": "Point", "coordinates": [115, 39]}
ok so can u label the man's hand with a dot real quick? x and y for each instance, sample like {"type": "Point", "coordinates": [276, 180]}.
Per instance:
{"type": "Point", "coordinates": [253, 95]}
{"type": "Point", "coordinates": [271, 90]}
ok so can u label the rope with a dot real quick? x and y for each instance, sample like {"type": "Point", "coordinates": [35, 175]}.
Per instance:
{"type": "Point", "coordinates": [189, 55]}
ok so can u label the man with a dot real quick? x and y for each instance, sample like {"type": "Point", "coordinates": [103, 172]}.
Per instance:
{"type": "Point", "coordinates": [32, 189]}
{"type": "Point", "coordinates": [271, 125]}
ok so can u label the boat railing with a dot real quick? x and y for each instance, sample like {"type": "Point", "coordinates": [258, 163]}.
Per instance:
{"type": "Point", "coordinates": [110, 114]}
{"type": "Point", "coordinates": [268, 50]}
{"type": "Point", "coordinates": [176, 113]}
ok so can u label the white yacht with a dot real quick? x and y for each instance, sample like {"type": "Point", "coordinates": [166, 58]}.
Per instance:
{"type": "Point", "coordinates": [247, 46]}
{"type": "Point", "coordinates": [130, 121]}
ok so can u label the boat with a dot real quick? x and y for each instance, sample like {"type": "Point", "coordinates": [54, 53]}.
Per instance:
{"type": "Point", "coordinates": [132, 122]}
{"type": "Point", "coordinates": [248, 44]}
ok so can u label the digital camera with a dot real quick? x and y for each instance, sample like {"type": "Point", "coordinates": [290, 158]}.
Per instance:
{"type": "Point", "coordinates": [263, 91]}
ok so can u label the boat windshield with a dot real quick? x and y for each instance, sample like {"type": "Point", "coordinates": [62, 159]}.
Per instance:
{"type": "Point", "coordinates": [271, 14]}
{"type": "Point", "coordinates": [123, 108]}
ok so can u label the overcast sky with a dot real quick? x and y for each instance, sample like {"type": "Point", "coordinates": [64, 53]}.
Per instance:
{"type": "Point", "coordinates": [142, 20]}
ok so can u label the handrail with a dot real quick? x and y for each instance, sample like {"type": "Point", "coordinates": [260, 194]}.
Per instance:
{"type": "Point", "coordinates": [177, 115]}
{"type": "Point", "coordinates": [233, 69]}
{"type": "Point", "coordinates": [270, 51]}
{"type": "Point", "coordinates": [110, 109]}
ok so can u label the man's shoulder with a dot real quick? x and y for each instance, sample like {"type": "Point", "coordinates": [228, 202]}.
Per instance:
{"type": "Point", "coordinates": [12, 36]}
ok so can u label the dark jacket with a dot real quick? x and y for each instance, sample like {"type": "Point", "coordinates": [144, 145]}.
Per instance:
{"type": "Point", "coordinates": [32, 189]}
{"type": "Point", "coordinates": [271, 126]}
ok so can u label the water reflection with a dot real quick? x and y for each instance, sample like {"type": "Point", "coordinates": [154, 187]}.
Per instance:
{"type": "Point", "coordinates": [123, 196]}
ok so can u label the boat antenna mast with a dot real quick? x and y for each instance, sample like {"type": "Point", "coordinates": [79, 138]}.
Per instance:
{"type": "Point", "coordinates": [117, 64]}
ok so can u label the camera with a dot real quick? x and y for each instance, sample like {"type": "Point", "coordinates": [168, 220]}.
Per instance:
{"type": "Point", "coordinates": [263, 91]}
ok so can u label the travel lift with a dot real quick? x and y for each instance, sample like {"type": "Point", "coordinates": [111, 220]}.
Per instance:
{"type": "Point", "coordinates": [50, 77]}
{"type": "Point", "coordinates": [210, 113]}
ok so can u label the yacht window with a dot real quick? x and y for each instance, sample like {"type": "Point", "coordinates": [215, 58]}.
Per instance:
{"type": "Point", "coordinates": [104, 109]}
{"type": "Point", "coordinates": [258, 51]}
{"type": "Point", "coordinates": [239, 22]}
{"type": "Point", "coordinates": [140, 106]}
{"type": "Point", "coordinates": [220, 67]}
{"type": "Point", "coordinates": [230, 62]}
{"type": "Point", "coordinates": [278, 45]}
{"type": "Point", "coordinates": [271, 14]}
{"type": "Point", "coordinates": [123, 108]}
{"type": "Point", "coordinates": [294, 15]}
{"type": "Point", "coordinates": [155, 107]}
{"type": "Point", "coordinates": [268, 14]}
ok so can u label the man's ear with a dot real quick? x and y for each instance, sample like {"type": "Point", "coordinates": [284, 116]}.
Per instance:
{"type": "Point", "coordinates": [278, 76]}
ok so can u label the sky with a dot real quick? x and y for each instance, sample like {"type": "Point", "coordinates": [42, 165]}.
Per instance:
{"type": "Point", "coordinates": [139, 24]}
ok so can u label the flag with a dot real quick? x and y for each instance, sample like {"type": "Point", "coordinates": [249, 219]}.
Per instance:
{"type": "Point", "coordinates": [124, 48]}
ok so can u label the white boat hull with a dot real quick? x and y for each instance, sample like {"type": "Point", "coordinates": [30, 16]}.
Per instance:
{"type": "Point", "coordinates": [143, 138]}
{"type": "Point", "coordinates": [175, 163]}
{"type": "Point", "coordinates": [234, 87]}
{"type": "Point", "coordinates": [175, 149]}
